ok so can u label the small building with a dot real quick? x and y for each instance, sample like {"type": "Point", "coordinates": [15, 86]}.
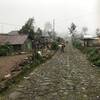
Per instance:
{"type": "Point", "coordinates": [89, 40]}
{"type": "Point", "coordinates": [20, 43]}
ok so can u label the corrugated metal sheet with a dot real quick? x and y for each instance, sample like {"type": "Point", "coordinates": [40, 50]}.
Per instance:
{"type": "Point", "coordinates": [12, 39]}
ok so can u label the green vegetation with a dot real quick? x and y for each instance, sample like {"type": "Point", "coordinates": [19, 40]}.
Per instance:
{"type": "Point", "coordinates": [93, 54]}
{"type": "Point", "coordinates": [54, 46]}
{"type": "Point", "coordinates": [77, 44]}
{"type": "Point", "coordinates": [37, 58]}
{"type": "Point", "coordinates": [5, 49]}
{"type": "Point", "coordinates": [28, 28]}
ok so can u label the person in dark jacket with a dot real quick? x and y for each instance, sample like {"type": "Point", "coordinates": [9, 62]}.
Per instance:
{"type": "Point", "coordinates": [62, 47]}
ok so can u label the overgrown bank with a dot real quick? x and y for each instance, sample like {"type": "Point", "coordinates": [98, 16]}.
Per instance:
{"type": "Point", "coordinates": [93, 53]}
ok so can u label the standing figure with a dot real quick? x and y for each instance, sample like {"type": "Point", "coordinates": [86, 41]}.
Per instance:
{"type": "Point", "coordinates": [62, 47]}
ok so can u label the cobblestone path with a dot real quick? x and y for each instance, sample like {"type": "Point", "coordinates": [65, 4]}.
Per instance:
{"type": "Point", "coordinates": [67, 76]}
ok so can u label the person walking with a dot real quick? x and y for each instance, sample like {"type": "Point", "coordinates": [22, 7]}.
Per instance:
{"type": "Point", "coordinates": [62, 47]}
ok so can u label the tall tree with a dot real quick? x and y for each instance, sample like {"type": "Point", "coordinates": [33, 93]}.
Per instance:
{"type": "Point", "coordinates": [72, 28]}
{"type": "Point", "coordinates": [72, 31]}
{"type": "Point", "coordinates": [28, 28]}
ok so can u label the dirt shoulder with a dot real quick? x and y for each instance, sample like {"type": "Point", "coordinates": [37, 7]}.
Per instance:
{"type": "Point", "coordinates": [8, 62]}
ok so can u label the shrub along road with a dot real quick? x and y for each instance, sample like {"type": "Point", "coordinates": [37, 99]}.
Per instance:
{"type": "Point", "coordinates": [67, 76]}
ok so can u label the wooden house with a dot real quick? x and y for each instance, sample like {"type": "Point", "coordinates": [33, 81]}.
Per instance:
{"type": "Point", "coordinates": [90, 41]}
{"type": "Point", "coordinates": [18, 42]}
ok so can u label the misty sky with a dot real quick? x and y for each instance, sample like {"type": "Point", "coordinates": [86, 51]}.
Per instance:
{"type": "Point", "coordinates": [81, 12]}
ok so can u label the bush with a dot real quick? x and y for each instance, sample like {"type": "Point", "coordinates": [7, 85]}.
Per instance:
{"type": "Point", "coordinates": [93, 54]}
{"type": "Point", "coordinates": [37, 58]}
{"type": "Point", "coordinates": [97, 63]}
{"type": "Point", "coordinates": [5, 49]}
{"type": "Point", "coordinates": [77, 44]}
{"type": "Point", "coordinates": [92, 51]}
{"type": "Point", "coordinates": [94, 57]}
{"type": "Point", "coordinates": [54, 46]}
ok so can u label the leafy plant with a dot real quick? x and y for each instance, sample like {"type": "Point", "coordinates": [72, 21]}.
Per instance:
{"type": "Point", "coordinates": [97, 63]}
{"type": "Point", "coordinates": [92, 53]}
{"type": "Point", "coordinates": [54, 46]}
{"type": "Point", "coordinates": [28, 28]}
{"type": "Point", "coordinates": [77, 44]}
{"type": "Point", "coordinates": [5, 49]}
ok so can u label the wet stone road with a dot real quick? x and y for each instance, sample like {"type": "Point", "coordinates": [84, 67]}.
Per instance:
{"type": "Point", "coordinates": [67, 76]}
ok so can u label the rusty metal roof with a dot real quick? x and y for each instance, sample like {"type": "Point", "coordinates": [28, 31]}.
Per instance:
{"type": "Point", "coordinates": [12, 39]}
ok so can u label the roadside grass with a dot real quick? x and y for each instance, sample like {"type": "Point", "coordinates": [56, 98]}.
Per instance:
{"type": "Point", "coordinates": [93, 54]}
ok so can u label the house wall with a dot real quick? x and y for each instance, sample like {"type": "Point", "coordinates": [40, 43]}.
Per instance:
{"type": "Point", "coordinates": [87, 42]}
{"type": "Point", "coordinates": [96, 42]}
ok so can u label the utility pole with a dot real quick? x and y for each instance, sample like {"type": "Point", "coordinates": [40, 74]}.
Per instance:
{"type": "Point", "coordinates": [53, 25]}
{"type": "Point", "coordinates": [54, 29]}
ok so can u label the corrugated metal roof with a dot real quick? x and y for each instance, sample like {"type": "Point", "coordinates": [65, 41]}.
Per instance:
{"type": "Point", "coordinates": [13, 33]}
{"type": "Point", "coordinates": [12, 39]}
{"type": "Point", "coordinates": [88, 37]}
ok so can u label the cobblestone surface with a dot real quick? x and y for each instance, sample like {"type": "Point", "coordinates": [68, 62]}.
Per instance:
{"type": "Point", "coordinates": [67, 76]}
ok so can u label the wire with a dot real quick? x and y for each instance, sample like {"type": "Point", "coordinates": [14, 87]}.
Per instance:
{"type": "Point", "coordinates": [9, 24]}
